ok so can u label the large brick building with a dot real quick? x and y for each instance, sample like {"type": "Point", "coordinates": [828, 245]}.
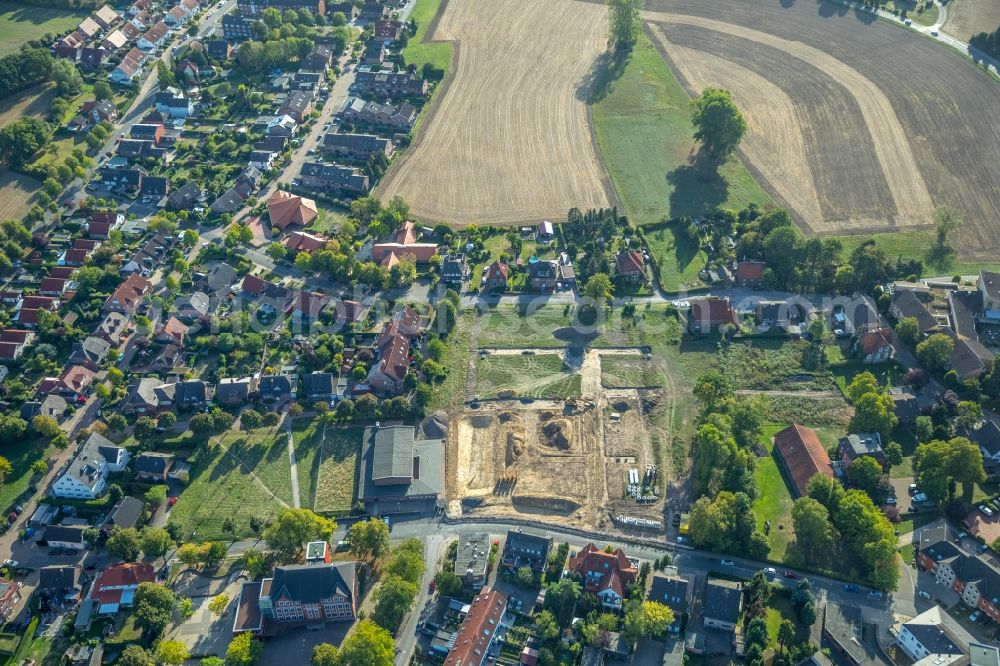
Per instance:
{"type": "Point", "coordinates": [298, 594]}
{"type": "Point", "coordinates": [972, 577]}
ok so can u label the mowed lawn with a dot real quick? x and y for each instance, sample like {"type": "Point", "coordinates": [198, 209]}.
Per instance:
{"type": "Point", "coordinates": [629, 372]}
{"type": "Point", "coordinates": [337, 473]}
{"type": "Point", "coordinates": [534, 376]}
{"type": "Point", "coordinates": [419, 53]}
{"type": "Point", "coordinates": [20, 24]}
{"type": "Point", "coordinates": [642, 118]}
{"type": "Point", "coordinates": [240, 476]}
{"type": "Point", "coordinates": [774, 501]}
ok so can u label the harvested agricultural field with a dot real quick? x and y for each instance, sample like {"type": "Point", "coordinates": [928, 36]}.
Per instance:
{"type": "Point", "coordinates": [970, 17]}
{"type": "Point", "coordinates": [17, 194]}
{"type": "Point", "coordinates": [507, 139]}
{"type": "Point", "coordinates": [525, 376]}
{"type": "Point", "coordinates": [870, 151]}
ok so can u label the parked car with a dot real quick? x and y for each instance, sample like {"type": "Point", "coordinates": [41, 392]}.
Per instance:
{"type": "Point", "coordinates": [975, 616]}
{"type": "Point", "coordinates": [791, 574]}
{"type": "Point", "coordinates": [875, 594]}
{"type": "Point", "coordinates": [985, 510]}
{"type": "Point", "coordinates": [728, 563]}
{"type": "Point", "coordinates": [11, 563]}
{"type": "Point", "coordinates": [913, 489]}
{"type": "Point", "coordinates": [919, 497]}
{"type": "Point", "coordinates": [851, 587]}
{"type": "Point", "coordinates": [924, 595]}
{"type": "Point", "coordinates": [770, 571]}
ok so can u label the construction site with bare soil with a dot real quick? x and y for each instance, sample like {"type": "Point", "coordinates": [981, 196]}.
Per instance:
{"type": "Point", "coordinates": [586, 460]}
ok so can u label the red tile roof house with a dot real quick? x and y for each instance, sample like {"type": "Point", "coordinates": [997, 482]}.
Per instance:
{"type": "Point", "coordinates": [802, 454]}
{"type": "Point", "coordinates": [174, 330]}
{"type": "Point", "coordinates": [52, 286]}
{"type": "Point", "coordinates": [115, 587]}
{"type": "Point", "coordinates": [307, 305]}
{"type": "Point", "coordinates": [73, 257]}
{"type": "Point", "coordinates": [496, 276]}
{"type": "Point", "coordinates": [49, 303]}
{"type": "Point", "coordinates": [629, 266]}
{"type": "Point", "coordinates": [61, 272]}
{"type": "Point", "coordinates": [474, 642]}
{"type": "Point", "coordinates": [73, 382]}
{"type": "Point", "coordinates": [606, 575]}
{"type": "Point", "coordinates": [300, 241]}
{"type": "Point", "coordinates": [393, 345]}
{"type": "Point", "coordinates": [750, 273]}
{"type": "Point", "coordinates": [13, 342]}
{"type": "Point", "coordinates": [875, 344]}
{"type": "Point", "coordinates": [405, 242]}
{"type": "Point", "coordinates": [708, 314]}
{"type": "Point", "coordinates": [129, 295]}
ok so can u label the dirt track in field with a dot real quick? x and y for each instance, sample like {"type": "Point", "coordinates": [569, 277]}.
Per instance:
{"type": "Point", "coordinates": [969, 17]}
{"type": "Point", "coordinates": [509, 141]}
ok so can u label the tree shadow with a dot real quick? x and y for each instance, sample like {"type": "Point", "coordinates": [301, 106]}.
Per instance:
{"type": "Point", "coordinates": [596, 84]}
{"type": "Point", "coordinates": [787, 3]}
{"type": "Point", "coordinates": [697, 187]}
{"type": "Point", "coordinates": [827, 9]}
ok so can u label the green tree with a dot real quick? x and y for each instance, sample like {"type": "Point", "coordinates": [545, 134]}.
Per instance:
{"type": "Point", "coordinates": [369, 538]}
{"type": "Point", "coordinates": [813, 532]}
{"type": "Point", "coordinates": [894, 453]}
{"type": "Point", "coordinates": [546, 626]}
{"type": "Point", "coordinates": [712, 389]}
{"type": "Point", "coordinates": [46, 426]}
{"type": "Point", "coordinates": [786, 634]}
{"type": "Point", "coordinates": [407, 561]}
{"type": "Point", "coordinates": [865, 473]}
{"type": "Point", "coordinates": [934, 353]}
{"type": "Point", "coordinates": [524, 576]}
{"type": "Point", "coordinates": [826, 490]}
{"type": "Point", "coordinates": [219, 604]}
{"type": "Point", "coordinates": [155, 541]}
{"type": "Point", "coordinates": [448, 583]}
{"type": "Point", "coordinates": [154, 606]}
{"type": "Point", "coordinates": [598, 288]}
{"type": "Point", "coordinates": [393, 599]}
{"type": "Point", "coordinates": [368, 645]}
{"type": "Point", "coordinates": [941, 255]}
{"type": "Point", "coordinates": [243, 650]}
{"type": "Point", "coordinates": [173, 653]}
{"type": "Point", "coordinates": [102, 90]}
{"type": "Point", "coordinates": [325, 654]}
{"type": "Point", "coordinates": [134, 655]}
{"type": "Point", "coordinates": [938, 465]}
{"type": "Point", "coordinates": [125, 543]}
{"type": "Point", "coordinates": [623, 18]}
{"type": "Point", "coordinates": [294, 527]}
{"type": "Point", "coordinates": [908, 330]}
{"type": "Point", "coordinates": [862, 384]}
{"type": "Point", "coordinates": [718, 123]}
{"type": "Point", "coordinates": [874, 412]}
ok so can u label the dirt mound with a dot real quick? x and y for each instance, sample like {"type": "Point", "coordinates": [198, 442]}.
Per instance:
{"type": "Point", "coordinates": [435, 426]}
{"type": "Point", "coordinates": [515, 448]}
{"type": "Point", "coordinates": [535, 504]}
{"type": "Point", "coordinates": [558, 433]}
{"type": "Point", "coordinates": [621, 406]}
{"type": "Point", "coordinates": [546, 415]}
{"type": "Point", "coordinates": [503, 417]}
{"type": "Point", "coordinates": [481, 421]}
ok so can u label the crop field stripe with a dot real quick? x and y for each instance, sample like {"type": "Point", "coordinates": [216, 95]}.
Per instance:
{"type": "Point", "coordinates": [909, 193]}
{"type": "Point", "coordinates": [508, 142]}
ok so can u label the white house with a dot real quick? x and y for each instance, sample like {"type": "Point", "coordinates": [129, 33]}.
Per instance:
{"type": "Point", "coordinates": [173, 103]}
{"type": "Point", "coordinates": [154, 37]}
{"type": "Point", "coordinates": [65, 536]}
{"type": "Point", "coordinates": [935, 634]}
{"type": "Point", "coordinates": [86, 477]}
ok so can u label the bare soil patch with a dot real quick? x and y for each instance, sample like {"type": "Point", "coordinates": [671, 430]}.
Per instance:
{"type": "Point", "coordinates": [970, 17]}
{"type": "Point", "coordinates": [509, 140]}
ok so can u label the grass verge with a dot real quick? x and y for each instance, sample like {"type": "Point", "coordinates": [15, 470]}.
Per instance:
{"type": "Point", "coordinates": [337, 473]}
